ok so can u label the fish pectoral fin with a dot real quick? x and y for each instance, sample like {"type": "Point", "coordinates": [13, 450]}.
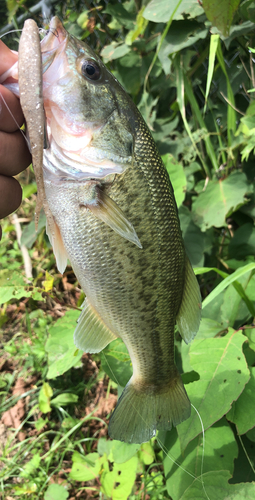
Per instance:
{"type": "Point", "coordinates": [189, 314]}
{"type": "Point", "coordinates": [108, 211]}
{"type": "Point", "coordinates": [91, 334]}
{"type": "Point", "coordinates": [56, 241]}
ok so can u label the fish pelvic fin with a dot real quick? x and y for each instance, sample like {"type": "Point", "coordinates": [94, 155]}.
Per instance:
{"type": "Point", "coordinates": [189, 314]}
{"type": "Point", "coordinates": [91, 334]}
{"type": "Point", "coordinates": [141, 411]}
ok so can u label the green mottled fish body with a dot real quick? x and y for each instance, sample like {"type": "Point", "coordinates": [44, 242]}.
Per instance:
{"type": "Point", "coordinates": [116, 220]}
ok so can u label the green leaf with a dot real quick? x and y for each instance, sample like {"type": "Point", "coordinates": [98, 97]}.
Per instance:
{"type": "Point", "coordinates": [242, 412]}
{"type": "Point", "coordinates": [116, 362]}
{"type": "Point", "coordinates": [231, 113]}
{"type": "Point", "coordinates": [117, 484]}
{"type": "Point", "coordinates": [114, 51]}
{"type": "Point", "coordinates": [31, 466]}
{"type": "Point", "coordinates": [216, 485]}
{"type": "Point", "coordinates": [161, 10]}
{"type": "Point", "coordinates": [250, 334]}
{"type": "Point", "coordinates": [28, 190]}
{"type": "Point", "coordinates": [85, 467]}
{"type": "Point", "coordinates": [223, 372]}
{"type": "Point", "coordinates": [237, 308]}
{"type": "Point", "coordinates": [243, 242]}
{"type": "Point", "coordinates": [194, 239]}
{"type": "Point", "coordinates": [221, 13]}
{"type": "Point", "coordinates": [45, 395]}
{"type": "Point", "coordinates": [29, 234]}
{"type": "Point", "coordinates": [219, 200]}
{"type": "Point", "coordinates": [178, 178]}
{"type": "Point", "coordinates": [62, 353]}
{"type": "Point", "coordinates": [116, 451]}
{"type": "Point", "coordinates": [56, 492]}
{"type": "Point", "coordinates": [146, 454]}
{"type": "Point", "coordinates": [212, 53]}
{"type": "Point", "coordinates": [119, 13]}
{"type": "Point", "coordinates": [64, 399]}
{"type": "Point", "coordinates": [13, 286]}
{"type": "Point", "coordinates": [182, 34]}
{"type": "Point", "coordinates": [220, 451]}
{"type": "Point", "coordinates": [227, 281]}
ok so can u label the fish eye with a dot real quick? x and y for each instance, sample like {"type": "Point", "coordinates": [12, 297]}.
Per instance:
{"type": "Point", "coordinates": [90, 69]}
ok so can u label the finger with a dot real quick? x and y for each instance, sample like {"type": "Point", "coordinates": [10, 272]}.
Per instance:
{"type": "Point", "coordinates": [14, 153]}
{"type": "Point", "coordinates": [8, 58]}
{"type": "Point", "coordinates": [11, 116]}
{"type": "Point", "coordinates": [10, 195]}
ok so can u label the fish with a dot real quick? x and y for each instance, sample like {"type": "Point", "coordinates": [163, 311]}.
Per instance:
{"type": "Point", "coordinates": [112, 213]}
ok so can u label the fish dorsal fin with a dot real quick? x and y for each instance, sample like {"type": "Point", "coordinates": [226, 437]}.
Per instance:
{"type": "Point", "coordinates": [109, 212]}
{"type": "Point", "coordinates": [189, 314]}
{"type": "Point", "coordinates": [56, 241]}
{"type": "Point", "coordinates": [91, 334]}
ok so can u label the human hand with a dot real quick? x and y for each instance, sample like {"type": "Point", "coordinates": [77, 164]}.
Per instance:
{"type": "Point", "coordinates": [14, 153]}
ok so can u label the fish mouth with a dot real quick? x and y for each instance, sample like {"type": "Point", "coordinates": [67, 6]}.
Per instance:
{"type": "Point", "coordinates": [55, 36]}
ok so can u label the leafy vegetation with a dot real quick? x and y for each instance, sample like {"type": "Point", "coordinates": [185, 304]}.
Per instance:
{"type": "Point", "coordinates": [190, 70]}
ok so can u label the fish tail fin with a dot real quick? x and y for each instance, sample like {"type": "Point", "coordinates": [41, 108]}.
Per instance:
{"type": "Point", "coordinates": [141, 410]}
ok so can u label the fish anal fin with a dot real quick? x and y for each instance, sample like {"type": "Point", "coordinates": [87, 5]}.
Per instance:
{"type": "Point", "coordinates": [103, 207]}
{"type": "Point", "coordinates": [56, 241]}
{"type": "Point", "coordinates": [189, 314]}
{"type": "Point", "coordinates": [91, 334]}
{"type": "Point", "coordinates": [141, 411]}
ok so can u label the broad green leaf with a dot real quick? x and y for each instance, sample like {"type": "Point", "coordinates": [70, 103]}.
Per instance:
{"type": "Point", "coordinates": [116, 451]}
{"type": "Point", "coordinates": [219, 199]}
{"type": "Point", "coordinates": [64, 399]}
{"type": "Point", "coordinates": [116, 362]}
{"type": "Point", "coordinates": [161, 10]}
{"type": "Point", "coordinates": [114, 51]}
{"type": "Point", "coordinates": [117, 483]}
{"type": "Point", "coordinates": [223, 372]}
{"type": "Point", "coordinates": [245, 461]}
{"type": "Point", "coordinates": [119, 13]}
{"type": "Point", "coordinates": [45, 395]}
{"type": "Point", "coordinates": [62, 353]}
{"type": "Point", "coordinates": [243, 242]}
{"type": "Point", "coordinates": [216, 485]}
{"type": "Point", "coordinates": [194, 239]}
{"type": "Point", "coordinates": [146, 454]}
{"type": "Point", "coordinates": [242, 412]}
{"type": "Point", "coordinates": [13, 286]}
{"type": "Point", "coordinates": [247, 10]}
{"type": "Point", "coordinates": [182, 34]}
{"type": "Point", "coordinates": [85, 467]}
{"type": "Point", "coordinates": [250, 334]}
{"type": "Point", "coordinates": [221, 13]}
{"type": "Point", "coordinates": [209, 328]}
{"type": "Point", "coordinates": [220, 451]}
{"type": "Point", "coordinates": [56, 492]}
{"type": "Point", "coordinates": [177, 177]}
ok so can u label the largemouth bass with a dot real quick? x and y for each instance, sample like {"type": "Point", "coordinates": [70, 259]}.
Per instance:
{"type": "Point", "coordinates": [114, 217]}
